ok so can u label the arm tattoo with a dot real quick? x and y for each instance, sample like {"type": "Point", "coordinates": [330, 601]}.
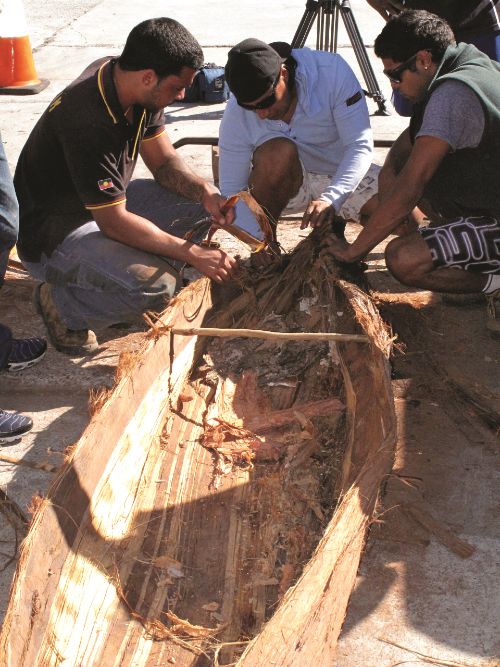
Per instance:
{"type": "Point", "coordinates": [175, 175]}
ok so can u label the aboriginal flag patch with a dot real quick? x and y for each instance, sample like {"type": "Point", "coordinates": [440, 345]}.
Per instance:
{"type": "Point", "coordinates": [105, 184]}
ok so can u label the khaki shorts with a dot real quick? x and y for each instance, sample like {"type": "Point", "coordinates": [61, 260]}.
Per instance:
{"type": "Point", "coordinates": [313, 185]}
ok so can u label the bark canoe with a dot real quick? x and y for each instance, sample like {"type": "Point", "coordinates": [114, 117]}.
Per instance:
{"type": "Point", "coordinates": [215, 509]}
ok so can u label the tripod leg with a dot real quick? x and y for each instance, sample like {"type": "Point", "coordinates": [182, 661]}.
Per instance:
{"type": "Point", "coordinates": [334, 44]}
{"type": "Point", "coordinates": [305, 25]}
{"type": "Point", "coordinates": [327, 33]}
{"type": "Point", "coordinates": [319, 29]}
{"type": "Point", "coordinates": [326, 12]}
{"type": "Point", "coordinates": [362, 57]}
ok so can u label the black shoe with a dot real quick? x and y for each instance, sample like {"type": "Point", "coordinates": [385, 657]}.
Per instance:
{"type": "Point", "coordinates": [13, 425]}
{"type": "Point", "coordinates": [26, 352]}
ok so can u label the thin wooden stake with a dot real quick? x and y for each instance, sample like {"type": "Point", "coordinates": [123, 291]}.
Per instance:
{"type": "Point", "coordinates": [426, 658]}
{"type": "Point", "coordinates": [29, 464]}
{"type": "Point", "coordinates": [269, 335]}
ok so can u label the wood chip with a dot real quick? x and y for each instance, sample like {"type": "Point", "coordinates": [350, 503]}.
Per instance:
{"type": "Point", "coordinates": [181, 626]}
{"type": "Point", "coordinates": [173, 567]}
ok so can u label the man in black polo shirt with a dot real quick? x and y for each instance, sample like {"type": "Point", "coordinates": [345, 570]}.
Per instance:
{"type": "Point", "coordinates": [108, 249]}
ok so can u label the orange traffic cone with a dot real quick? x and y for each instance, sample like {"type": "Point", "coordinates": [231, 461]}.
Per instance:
{"type": "Point", "coordinates": [17, 69]}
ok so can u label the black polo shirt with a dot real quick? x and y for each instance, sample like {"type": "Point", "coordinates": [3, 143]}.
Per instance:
{"type": "Point", "coordinates": [79, 157]}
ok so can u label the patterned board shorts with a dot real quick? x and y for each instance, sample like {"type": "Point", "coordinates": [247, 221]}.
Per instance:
{"type": "Point", "coordinates": [472, 244]}
{"type": "Point", "coordinates": [314, 184]}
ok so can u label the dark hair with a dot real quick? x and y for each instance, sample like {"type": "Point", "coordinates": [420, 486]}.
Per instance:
{"type": "Point", "coordinates": [285, 51]}
{"type": "Point", "coordinates": [163, 45]}
{"type": "Point", "coordinates": [411, 31]}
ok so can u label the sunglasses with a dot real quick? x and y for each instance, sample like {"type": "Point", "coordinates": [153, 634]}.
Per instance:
{"type": "Point", "coordinates": [265, 103]}
{"type": "Point", "coordinates": [395, 75]}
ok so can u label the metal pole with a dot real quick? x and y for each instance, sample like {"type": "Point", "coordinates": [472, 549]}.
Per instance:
{"type": "Point", "coordinates": [305, 24]}
{"type": "Point", "coordinates": [362, 56]}
{"type": "Point", "coordinates": [327, 39]}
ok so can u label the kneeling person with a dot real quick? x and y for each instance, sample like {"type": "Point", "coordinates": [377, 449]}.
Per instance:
{"type": "Point", "coordinates": [108, 249]}
{"type": "Point", "coordinates": [447, 162]}
{"type": "Point", "coordinates": [296, 132]}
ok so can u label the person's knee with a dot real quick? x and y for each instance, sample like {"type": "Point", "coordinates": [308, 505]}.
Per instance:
{"type": "Point", "coordinates": [401, 262]}
{"type": "Point", "coordinates": [144, 283]}
{"type": "Point", "coordinates": [153, 282]}
{"type": "Point", "coordinates": [104, 265]}
{"type": "Point", "coordinates": [277, 158]}
{"type": "Point", "coordinates": [152, 302]}
{"type": "Point", "coordinates": [278, 149]}
{"type": "Point", "coordinates": [147, 289]}
{"type": "Point", "coordinates": [276, 164]}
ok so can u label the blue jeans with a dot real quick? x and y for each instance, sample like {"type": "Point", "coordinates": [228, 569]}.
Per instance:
{"type": "Point", "coordinates": [9, 213]}
{"type": "Point", "coordinates": [97, 282]}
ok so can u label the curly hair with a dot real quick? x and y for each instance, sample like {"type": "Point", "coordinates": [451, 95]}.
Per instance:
{"type": "Point", "coordinates": [411, 31]}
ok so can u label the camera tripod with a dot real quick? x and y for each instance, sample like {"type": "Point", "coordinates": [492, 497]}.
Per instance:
{"type": "Point", "coordinates": [327, 12]}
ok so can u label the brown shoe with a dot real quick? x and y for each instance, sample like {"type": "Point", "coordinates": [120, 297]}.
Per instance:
{"type": "Point", "coordinates": [493, 313]}
{"type": "Point", "coordinates": [70, 341]}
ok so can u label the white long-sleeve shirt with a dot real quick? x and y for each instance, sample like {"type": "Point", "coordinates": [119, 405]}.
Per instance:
{"type": "Point", "coordinates": [330, 126]}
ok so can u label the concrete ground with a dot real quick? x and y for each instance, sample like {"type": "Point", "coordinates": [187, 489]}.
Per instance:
{"type": "Point", "coordinates": [429, 587]}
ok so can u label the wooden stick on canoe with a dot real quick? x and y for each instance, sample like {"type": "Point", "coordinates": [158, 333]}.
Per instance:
{"type": "Point", "coordinates": [269, 335]}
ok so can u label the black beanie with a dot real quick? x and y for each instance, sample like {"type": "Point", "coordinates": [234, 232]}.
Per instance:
{"type": "Point", "coordinates": [251, 69]}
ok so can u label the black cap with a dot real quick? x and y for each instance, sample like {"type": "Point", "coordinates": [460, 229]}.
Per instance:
{"type": "Point", "coordinates": [251, 69]}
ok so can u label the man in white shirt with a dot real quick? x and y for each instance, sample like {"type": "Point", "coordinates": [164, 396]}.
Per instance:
{"type": "Point", "coordinates": [296, 132]}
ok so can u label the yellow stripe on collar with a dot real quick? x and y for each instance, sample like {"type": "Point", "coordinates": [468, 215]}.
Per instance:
{"type": "Point", "coordinates": [136, 142]}
{"type": "Point", "coordinates": [101, 90]}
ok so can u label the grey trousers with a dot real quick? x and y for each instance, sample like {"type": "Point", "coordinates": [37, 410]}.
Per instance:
{"type": "Point", "coordinates": [97, 282]}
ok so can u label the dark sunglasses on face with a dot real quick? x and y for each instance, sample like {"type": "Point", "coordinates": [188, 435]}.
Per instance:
{"type": "Point", "coordinates": [395, 75]}
{"type": "Point", "coordinates": [265, 103]}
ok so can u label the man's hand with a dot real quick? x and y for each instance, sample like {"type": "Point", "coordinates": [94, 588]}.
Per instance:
{"type": "Point", "coordinates": [339, 248]}
{"type": "Point", "coordinates": [317, 211]}
{"type": "Point", "coordinates": [386, 8]}
{"type": "Point", "coordinates": [213, 202]}
{"type": "Point", "coordinates": [214, 263]}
